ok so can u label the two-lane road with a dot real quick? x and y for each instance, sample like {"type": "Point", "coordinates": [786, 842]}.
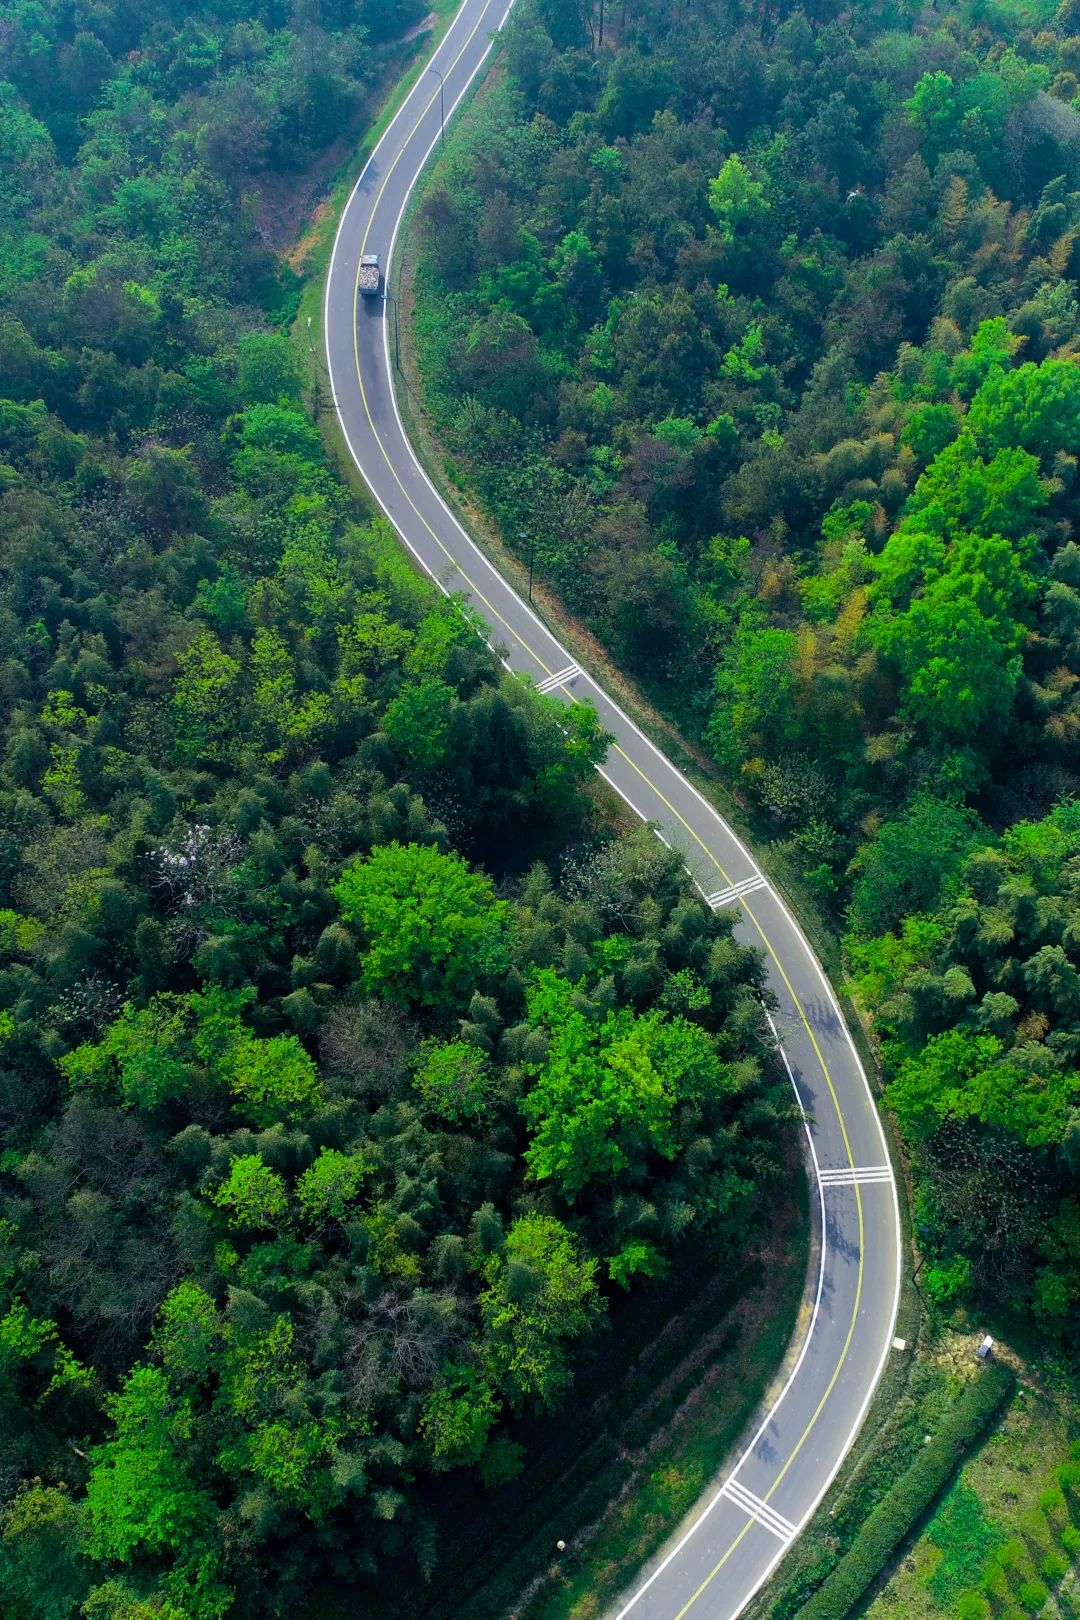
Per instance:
{"type": "Point", "coordinates": [740, 1532]}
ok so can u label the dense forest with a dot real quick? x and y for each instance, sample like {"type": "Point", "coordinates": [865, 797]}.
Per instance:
{"type": "Point", "coordinates": [351, 1059]}
{"type": "Point", "coordinates": [765, 318]}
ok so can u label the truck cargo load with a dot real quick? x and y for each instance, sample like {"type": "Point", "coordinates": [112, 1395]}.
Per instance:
{"type": "Point", "coordinates": [370, 275]}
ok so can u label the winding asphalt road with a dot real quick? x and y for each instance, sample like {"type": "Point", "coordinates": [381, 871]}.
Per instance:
{"type": "Point", "coordinates": [738, 1534]}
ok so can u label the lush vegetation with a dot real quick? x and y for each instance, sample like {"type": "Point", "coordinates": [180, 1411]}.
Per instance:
{"type": "Point", "coordinates": [759, 324]}
{"type": "Point", "coordinates": [1001, 1540]}
{"type": "Point", "coordinates": [909, 1497]}
{"type": "Point", "coordinates": [1007, 1533]}
{"type": "Point", "coordinates": [350, 1064]}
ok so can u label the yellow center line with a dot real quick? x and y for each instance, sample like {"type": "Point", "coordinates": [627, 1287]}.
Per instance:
{"type": "Point", "coordinates": [401, 149]}
{"type": "Point", "coordinates": [676, 814]}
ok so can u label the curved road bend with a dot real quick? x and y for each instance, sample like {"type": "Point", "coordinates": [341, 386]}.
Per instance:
{"type": "Point", "coordinates": [739, 1533]}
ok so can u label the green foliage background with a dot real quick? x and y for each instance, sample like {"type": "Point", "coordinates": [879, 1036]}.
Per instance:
{"type": "Point", "coordinates": [299, 1210]}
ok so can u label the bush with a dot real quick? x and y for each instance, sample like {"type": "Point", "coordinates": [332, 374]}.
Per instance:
{"type": "Point", "coordinates": [1053, 1567]}
{"type": "Point", "coordinates": [1014, 1554]}
{"type": "Point", "coordinates": [897, 1512]}
{"type": "Point", "coordinates": [966, 1538]}
{"type": "Point", "coordinates": [972, 1606]}
{"type": "Point", "coordinates": [1070, 1539]}
{"type": "Point", "coordinates": [994, 1582]}
{"type": "Point", "coordinates": [1033, 1595]}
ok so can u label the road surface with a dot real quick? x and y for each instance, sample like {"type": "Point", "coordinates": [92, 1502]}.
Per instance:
{"type": "Point", "coordinates": [740, 1532]}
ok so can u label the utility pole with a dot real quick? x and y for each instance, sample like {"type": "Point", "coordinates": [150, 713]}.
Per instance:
{"type": "Point", "coordinates": [310, 339]}
{"type": "Point", "coordinates": [442, 116]}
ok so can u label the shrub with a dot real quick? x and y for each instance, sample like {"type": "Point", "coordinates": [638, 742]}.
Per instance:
{"type": "Point", "coordinates": [894, 1516]}
{"type": "Point", "coordinates": [966, 1538]}
{"type": "Point", "coordinates": [1014, 1554]}
{"type": "Point", "coordinates": [1033, 1595]}
{"type": "Point", "coordinates": [1052, 1502]}
{"type": "Point", "coordinates": [972, 1606]}
{"type": "Point", "coordinates": [1053, 1567]}
{"type": "Point", "coordinates": [1034, 1525]}
{"type": "Point", "coordinates": [994, 1582]}
{"type": "Point", "coordinates": [1070, 1539]}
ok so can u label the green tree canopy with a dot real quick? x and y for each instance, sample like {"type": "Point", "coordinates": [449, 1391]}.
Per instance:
{"type": "Point", "coordinates": [432, 927]}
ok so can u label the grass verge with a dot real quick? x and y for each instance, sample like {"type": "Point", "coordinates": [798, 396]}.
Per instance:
{"type": "Point", "coordinates": [1005, 1539]}
{"type": "Point", "coordinates": [908, 1498]}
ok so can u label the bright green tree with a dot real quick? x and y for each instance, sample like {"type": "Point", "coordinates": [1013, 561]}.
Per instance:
{"type": "Point", "coordinates": [432, 927]}
{"type": "Point", "coordinates": [457, 1416]}
{"type": "Point", "coordinates": [187, 1333]}
{"type": "Point", "coordinates": [253, 1194]}
{"type": "Point", "coordinates": [541, 1292]}
{"type": "Point", "coordinates": [938, 1082]}
{"type": "Point", "coordinates": [609, 1090]}
{"type": "Point", "coordinates": [737, 200]}
{"type": "Point", "coordinates": [139, 1057]}
{"type": "Point", "coordinates": [1035, 408]}
{"type": "Point", "coordinates": [272, 1079]}
{"type": "Point", "coordinates": [417, 723]}
{"type": "Point", "coordinates": [330, 1186]}
{"type": "Point", "coordinates": [204, 700]}
{"type": "Point", "coordinates": [454, 1079]}
{"type": "Point", "coordinates": [140, 1494]}
{"type": "Point", "coordinates": [755, 690]}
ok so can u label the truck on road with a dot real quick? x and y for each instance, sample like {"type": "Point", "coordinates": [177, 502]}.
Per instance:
{"type": "Point", "coordinates": [370, 274]}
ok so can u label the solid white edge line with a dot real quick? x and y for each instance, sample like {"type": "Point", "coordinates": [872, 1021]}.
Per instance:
{"type": "Point", "coordinates": [696, 793]}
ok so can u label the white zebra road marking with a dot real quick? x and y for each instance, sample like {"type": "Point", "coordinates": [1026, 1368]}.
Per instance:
{"type": "Point", "coordinates": [866, 1175]}
{"type": "Point", "coordinates": [766, 1516]}
{"type": "Point", "coordinates": [727, 897]}
{"type": "Point", "coordinates": [560, 678]}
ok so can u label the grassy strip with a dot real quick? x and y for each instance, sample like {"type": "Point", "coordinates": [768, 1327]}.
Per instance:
{"type": "Point", "coordinates": [1010, 1519]}
{"type": "Point", "coordinates": [913, 1493]}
